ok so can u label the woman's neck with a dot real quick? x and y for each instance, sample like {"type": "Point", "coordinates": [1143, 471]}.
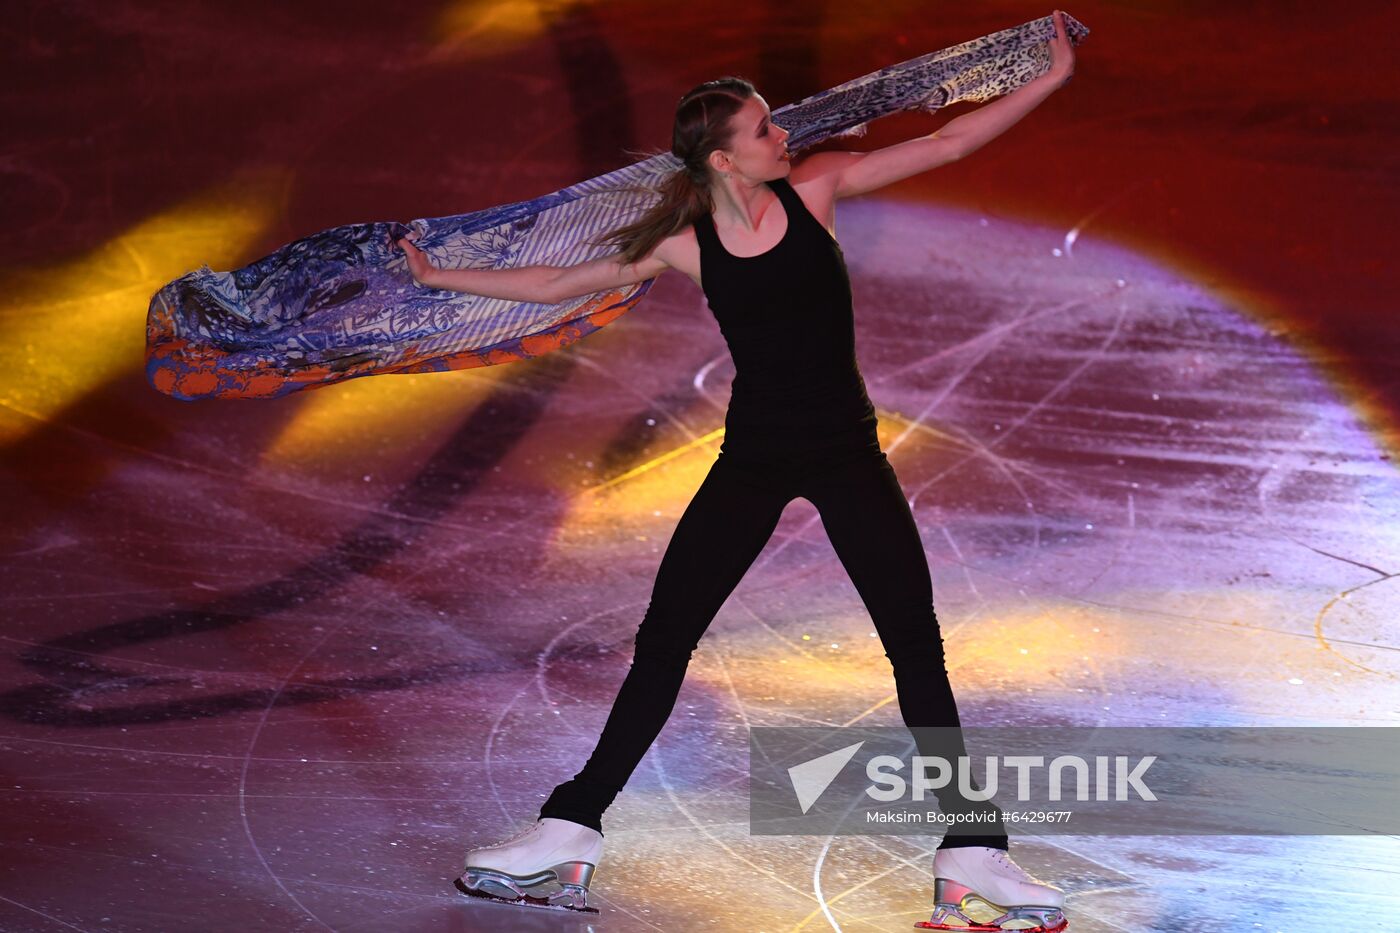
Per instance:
{"type": "Point", "coordinates": [741, 206]}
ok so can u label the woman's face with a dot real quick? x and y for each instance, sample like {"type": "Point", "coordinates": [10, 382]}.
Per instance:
{"type": "Point", "coordinates": [758, 149]}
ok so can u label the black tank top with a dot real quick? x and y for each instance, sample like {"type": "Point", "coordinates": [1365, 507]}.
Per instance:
{"type": "Point", "coordinates": [787, 317]}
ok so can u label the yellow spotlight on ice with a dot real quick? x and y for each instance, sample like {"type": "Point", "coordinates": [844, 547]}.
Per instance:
{"type": "Point", "coordinates": [623, 507]}
{"type": "Point", "coordinates": [481, 28]}
{"type": "Point", "coordinates": [1043, 646]}
{"type": "Point", "coordinates": [369, 419]}
{"type": "Point", "coordinates": [68, 328]}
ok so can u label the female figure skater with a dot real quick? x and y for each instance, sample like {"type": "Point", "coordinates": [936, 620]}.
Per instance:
{"type": "Point", "coordinates": [753, 229]}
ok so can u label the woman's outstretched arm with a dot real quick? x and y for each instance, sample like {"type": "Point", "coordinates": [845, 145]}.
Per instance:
{"type": "Point", "coordinates": [971, 131]}
{"type": "Point", "coordinates": [525, 283]}
{"type": "Point", "coordinates": [852, 173]}
{"type": "Point", "coordinates": [539, 283]}
{"type": "Point", "coordinates": [603, 273]}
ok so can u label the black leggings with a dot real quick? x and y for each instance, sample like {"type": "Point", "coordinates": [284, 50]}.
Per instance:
{"type": "Point", "coordinates": [718, 537]}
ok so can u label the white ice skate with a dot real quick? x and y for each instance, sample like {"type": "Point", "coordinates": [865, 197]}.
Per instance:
{"type": "Point", "coordinates": [547, 864]}
{"type": "Point", "coordinates": [980, 888]}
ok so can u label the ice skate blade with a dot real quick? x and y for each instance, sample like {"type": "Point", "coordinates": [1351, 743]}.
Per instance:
{"type": "Point", "coordinates": [971, 926]}
{"type": "Point", "coordinates": [972, 913]}
{"type": "Point", "coordinates": [524, 900]}
{"type": "Point", "coordinates": [983, 928]}
{"type": "Point", "coordinates": [570, 881]}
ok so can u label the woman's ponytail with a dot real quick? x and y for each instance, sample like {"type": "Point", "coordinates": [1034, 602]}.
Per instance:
{"type": "Point", "coordinates": [702, 125]}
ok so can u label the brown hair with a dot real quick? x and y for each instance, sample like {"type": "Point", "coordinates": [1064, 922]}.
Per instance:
{"type": "Point", "coordinates": [702, 125]}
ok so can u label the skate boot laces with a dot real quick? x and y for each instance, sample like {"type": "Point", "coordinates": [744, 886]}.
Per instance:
{"type": "Point", "coordinates": [1003, 865]}
{"type": "Point", "coordinates": [533, 827]}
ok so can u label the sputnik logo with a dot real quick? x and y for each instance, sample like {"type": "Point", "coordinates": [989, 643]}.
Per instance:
{"type": "Point", "coordinates": [811, 778]}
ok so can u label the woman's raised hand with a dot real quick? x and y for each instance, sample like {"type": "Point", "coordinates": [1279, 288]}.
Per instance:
{"type": "Point", "coordinates": [418, 264]}
{"type": "Point", "coordinates": [1061, 51]}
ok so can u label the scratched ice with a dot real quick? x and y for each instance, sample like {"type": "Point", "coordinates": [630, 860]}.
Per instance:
{"type": "Point", "coordinates": [1140, 506]}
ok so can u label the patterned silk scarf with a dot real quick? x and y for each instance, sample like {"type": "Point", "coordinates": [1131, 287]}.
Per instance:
{"type": "Point", "coordinates": [341, 303]}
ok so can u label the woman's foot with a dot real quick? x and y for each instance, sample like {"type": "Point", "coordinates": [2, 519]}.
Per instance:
{"type": "Point", "coordinates": [548, 864]}
{"type": "Point", "coordinates": [980, 888]}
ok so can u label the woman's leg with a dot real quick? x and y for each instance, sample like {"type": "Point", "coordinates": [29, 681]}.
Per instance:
{"type": "Point", "coordinates": [874, 534]}
{"type": "Point", "coordinates": [723, 529]}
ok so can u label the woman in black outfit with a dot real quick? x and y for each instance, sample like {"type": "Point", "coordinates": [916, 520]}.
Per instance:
{"type": "Point", "coordinates": [753, 229]}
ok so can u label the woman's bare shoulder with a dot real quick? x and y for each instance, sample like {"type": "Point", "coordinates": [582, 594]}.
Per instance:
{"type": "Point", "coordinates": [681, 251]}
{"type": "Point", "coordinates": [814, 181]}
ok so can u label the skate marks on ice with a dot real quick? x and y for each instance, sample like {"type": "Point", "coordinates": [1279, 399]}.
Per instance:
{"type": "Point", "coordinates": [68, 665]}
{"type": "Point", "coordinates": [1099, 555]}
{"type": "Point", "coordinates": [1153, 431]}
{"type": "Point", "coordinates": [706, 809]}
